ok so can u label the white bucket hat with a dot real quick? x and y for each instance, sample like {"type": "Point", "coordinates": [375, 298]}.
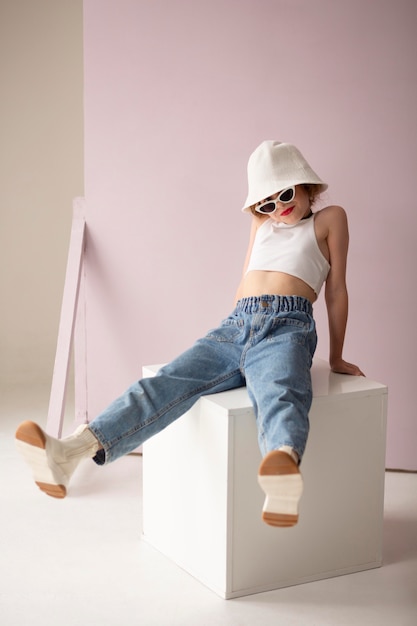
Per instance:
{"type": "Point", "coordinates": [274, 166]}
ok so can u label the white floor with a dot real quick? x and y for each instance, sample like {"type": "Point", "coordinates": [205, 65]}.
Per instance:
{"type": "Point", "coordinates": [81, 560]}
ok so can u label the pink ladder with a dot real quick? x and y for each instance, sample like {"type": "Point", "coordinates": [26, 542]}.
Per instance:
{"type": "Point", "coordinates": [72, 311]}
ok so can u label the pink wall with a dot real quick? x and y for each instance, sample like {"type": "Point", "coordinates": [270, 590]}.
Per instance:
{"type": "Point", "coordinates": [177, 94]}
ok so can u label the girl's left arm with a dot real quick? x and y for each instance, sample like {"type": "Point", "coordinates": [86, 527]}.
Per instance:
{"type": "Point", "coordinates": [336, 294]}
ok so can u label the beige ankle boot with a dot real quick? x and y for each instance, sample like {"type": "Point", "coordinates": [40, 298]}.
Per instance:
{"type": "Point", "coordinates": [281, 480]}
{"type": "Point", "coordinates": [53, 461]}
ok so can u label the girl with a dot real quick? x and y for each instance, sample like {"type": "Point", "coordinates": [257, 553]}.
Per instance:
{"type": "Point", "coordinates": [267, 343]}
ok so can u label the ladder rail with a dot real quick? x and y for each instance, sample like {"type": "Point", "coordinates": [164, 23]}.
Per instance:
{"type": "Point", "coordinates": [67, 321]}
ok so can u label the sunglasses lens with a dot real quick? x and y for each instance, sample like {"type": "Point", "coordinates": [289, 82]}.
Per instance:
{"type": "Point", "coordinates": [269, 207]}
{"type": "Point", "coordinates": [287, 195]}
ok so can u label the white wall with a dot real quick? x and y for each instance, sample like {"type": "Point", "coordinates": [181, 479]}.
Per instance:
{"type": "Point", "coordinates": [178, 93]}
{"type": "Point", "coordinates": [41, 170]}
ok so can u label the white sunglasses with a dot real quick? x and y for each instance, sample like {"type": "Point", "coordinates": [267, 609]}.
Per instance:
{"type": "Point", "coordinates": [270, 206]}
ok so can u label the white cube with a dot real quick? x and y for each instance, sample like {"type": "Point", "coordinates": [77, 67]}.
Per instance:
{"type": "Point", "coordinates": [202, 503]}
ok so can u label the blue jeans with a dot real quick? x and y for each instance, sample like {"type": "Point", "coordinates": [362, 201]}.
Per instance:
{"type": "Point", "coordinates": [267, 344]}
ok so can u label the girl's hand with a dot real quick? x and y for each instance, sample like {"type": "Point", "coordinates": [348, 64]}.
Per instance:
{"type": "Point", "coordinates": [343, 367]}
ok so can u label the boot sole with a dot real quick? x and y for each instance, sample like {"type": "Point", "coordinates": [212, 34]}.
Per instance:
{"type": "Point", "coordinates": [281, 480]}
{"type": "Point", "coordinates": [31, 443]}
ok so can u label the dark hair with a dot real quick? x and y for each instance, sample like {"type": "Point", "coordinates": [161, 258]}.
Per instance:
{"type": "Point", "coordinates": [312, 190]}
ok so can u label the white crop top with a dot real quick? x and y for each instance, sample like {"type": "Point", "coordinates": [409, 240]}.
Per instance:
{"type": "Point", "coordinates": [292, 249]}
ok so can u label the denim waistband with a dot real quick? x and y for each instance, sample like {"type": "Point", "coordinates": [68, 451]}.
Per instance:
{"type": "Point", "coordinates": [274, 304]}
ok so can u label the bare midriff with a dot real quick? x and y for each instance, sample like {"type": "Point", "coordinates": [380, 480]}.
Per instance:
{"type": "Point", "coordinates": [261, 282]}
